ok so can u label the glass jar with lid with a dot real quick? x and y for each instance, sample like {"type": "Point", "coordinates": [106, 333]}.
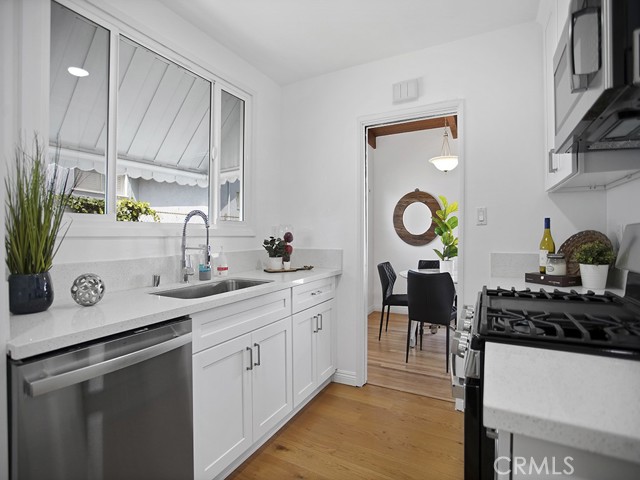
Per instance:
{"type": "Point", "coordinates": [556, 264]}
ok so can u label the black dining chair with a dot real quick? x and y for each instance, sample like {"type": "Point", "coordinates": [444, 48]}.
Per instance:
{"type": "Point", "coordinates": [430, 298]}
{"type": "Point", "coordinates": [431, 264]}
{"type": "Point", "coordinates": [389, 299]}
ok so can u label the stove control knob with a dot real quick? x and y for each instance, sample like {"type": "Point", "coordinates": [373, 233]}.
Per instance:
{"type": "Point", "coordinates": [468, 324]}
{"type": "Point", "coordinates": [460, 343]}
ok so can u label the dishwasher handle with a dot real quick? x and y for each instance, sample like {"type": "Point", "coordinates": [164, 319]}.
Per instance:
{"type": "Point", "coordinates": [45, 385]}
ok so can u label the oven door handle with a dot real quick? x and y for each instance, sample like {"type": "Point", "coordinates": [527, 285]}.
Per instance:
{"type": "Point", "coordinates": [56, 382]}
{"type": "Point", "coordinates": [636, 57]}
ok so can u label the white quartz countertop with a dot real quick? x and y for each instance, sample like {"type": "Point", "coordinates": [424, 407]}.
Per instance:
{"type": "Point", "coordinates": [589, 402]}
{"type": "Point", "coordinates": [69, 324]}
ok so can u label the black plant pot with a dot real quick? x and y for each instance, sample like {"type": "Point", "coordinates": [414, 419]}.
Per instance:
{"type": "Point", "coordinates": [30, 293]}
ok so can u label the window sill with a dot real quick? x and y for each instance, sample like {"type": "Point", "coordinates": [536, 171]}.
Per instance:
{"type": "Point", "coordinates": [97, 226]}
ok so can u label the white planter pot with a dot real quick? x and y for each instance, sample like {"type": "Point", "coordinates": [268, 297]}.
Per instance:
{"type": "Point", "coordinates": [274, 263]}
{"type": "Point", "coordinates": [594, 276]}
{"type": "Point", "coordinates": [446, 266]}
{"type": "Point", "coordinates": [286, 265]}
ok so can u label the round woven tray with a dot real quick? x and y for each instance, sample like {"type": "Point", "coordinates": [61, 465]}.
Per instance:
{"type": "Point", "coordinates": [574, 241]}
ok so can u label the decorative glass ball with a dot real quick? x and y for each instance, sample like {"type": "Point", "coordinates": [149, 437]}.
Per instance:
{"type": "Point", "coordinates": [87, 289]}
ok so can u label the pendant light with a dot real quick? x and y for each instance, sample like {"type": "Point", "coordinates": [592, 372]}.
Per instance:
{"type": "Point", "coordinates": [445, 161]}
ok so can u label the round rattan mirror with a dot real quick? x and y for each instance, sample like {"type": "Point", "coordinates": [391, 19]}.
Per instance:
{"type": "Point", "coordinates": [398, 217]}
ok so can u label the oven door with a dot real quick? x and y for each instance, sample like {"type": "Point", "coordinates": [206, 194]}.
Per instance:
{"type": "Point", "coordinates": [479, 448]}
{"type": "Point", "coordinates": [580, 71]}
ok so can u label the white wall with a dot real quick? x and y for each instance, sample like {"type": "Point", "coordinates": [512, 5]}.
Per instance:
{"type": "Point", "coordinates": [398, 166]}
{"type": "Point", "coordinates": [499, 77]}
{"type": "Point", "coordinates": [622, 209]}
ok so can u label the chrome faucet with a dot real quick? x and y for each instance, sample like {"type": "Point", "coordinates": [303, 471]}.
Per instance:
{"type": "Point", "coordinates": [187, 269]}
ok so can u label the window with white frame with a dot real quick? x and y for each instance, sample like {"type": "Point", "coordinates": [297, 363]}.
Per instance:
{"type": "Point", "coordinates": [164, 132]}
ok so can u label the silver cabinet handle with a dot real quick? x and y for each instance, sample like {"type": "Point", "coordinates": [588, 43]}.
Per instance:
{"type": "Point", "coordinates": [315, 330]}
{"type": "Point", "coordinates": [321, 323]}
{"type": "Point", "coordinates": [250, 367]}
{"type": "Point", "coordinates": [257, 345]}
{"type": "Point", "coordinates": [317, 292]}
{"type": "Point", "coordinates": [579, 82]}
{"type": "Point", "coordinates": [62, 380]}
{"type": "Point", "coordinates": [550, 167]}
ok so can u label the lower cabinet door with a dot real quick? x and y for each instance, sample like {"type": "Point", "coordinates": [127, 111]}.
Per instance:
{"type": "Point", "coordinates": [304, 364]}
{"type": "Point", "coordinates": [221, 406]}
{"type": "Point", "coordinates": [325, 366]}
{"type": "Point", "coordinates": [272, 392]}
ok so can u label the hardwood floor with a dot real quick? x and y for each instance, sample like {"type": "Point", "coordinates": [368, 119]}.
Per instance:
{"type": "Point", "coordinates": [363, 433]}
{"type": "Point", "coordinates": [424, 374]}
{"type": "Point", "coordinates": [401, 425]}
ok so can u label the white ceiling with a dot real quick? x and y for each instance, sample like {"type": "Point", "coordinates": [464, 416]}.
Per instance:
{"type": "Point", "coordinates": [290, 40]}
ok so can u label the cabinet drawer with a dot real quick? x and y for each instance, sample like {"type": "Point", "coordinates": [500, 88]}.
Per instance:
{"type": "Point", "coordinates": [313, 293]}
{"type": "Point", "coordinates": [218, 325]}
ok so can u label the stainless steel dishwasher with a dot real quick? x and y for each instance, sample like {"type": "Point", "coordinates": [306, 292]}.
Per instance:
{"type": "Point", "coordinates": [116, 409]}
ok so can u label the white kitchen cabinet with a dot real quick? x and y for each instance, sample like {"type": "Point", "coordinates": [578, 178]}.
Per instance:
{"type": "Point", "coordinates": [241, 389]}
{"type": "Point", "coordinates": [558, 167]}
{"type": "Point", "coordinates": [222, 401]}
{"type": "Point", "coordinates": [271, 375]}
{"type": "Point", "coordinates": [313, 358]}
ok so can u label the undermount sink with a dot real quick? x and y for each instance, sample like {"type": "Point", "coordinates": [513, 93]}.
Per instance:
{"type": "Point", "coordinates": [208, 289]}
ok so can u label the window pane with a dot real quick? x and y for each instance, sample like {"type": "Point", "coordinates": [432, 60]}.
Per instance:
{"type": "Point", "coordinates": [163, 134]}
{"type": "Point", "coordinates": [231, 157]}
{"type": "Point", "coordinates": [78, 104]}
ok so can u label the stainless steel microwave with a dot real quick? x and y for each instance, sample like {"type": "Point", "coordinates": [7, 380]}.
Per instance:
{"type": "Point", "coordinates": [597, 77]}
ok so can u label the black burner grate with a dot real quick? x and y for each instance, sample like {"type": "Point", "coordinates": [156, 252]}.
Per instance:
{"type": "Point", "coordinates": [559, 317]}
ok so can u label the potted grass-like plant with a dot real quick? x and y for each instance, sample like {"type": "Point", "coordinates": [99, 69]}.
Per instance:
{"type": "Point", "coordinates": [35, 202]}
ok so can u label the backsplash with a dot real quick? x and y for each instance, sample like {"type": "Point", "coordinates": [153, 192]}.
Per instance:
{"type": "Point", "coordinates": [513, 264]}
{"type": "Point", "coordinates": [120, 275]}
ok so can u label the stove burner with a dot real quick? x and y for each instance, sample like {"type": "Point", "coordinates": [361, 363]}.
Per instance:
{"type": "Point", "coordinates": [556, 294]}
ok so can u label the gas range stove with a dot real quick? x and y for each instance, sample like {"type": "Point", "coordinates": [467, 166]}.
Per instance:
{"type": "Point", "coordinates": [604, 324]}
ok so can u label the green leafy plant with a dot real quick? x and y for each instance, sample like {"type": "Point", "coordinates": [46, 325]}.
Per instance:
{"type": "Point", "coordinates": [129, 210]}
{"type": "Point", "coordinates": [445, 224]}
{"type": "Point", "coordinates": [275, 247]}
{"type": "Point", "coordinates": [594, 253]}
{"type": "Point", "coordinates": [78, 204]}
{"type": "Point", "coordinates": [34, 210]}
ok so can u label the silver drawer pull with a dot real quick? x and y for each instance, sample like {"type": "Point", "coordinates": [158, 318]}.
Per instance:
{"type": "Point", "coordinates": [257, 345]}
{"type": "Point", "coordinates": [250, 367]}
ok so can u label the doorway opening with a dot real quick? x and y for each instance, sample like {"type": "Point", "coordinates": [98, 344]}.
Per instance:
{"type": "Point", "coordinates": [393, 164]}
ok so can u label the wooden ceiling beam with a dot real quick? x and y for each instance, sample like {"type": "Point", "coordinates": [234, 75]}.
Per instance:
{"type": "Point", "coordinates": [417, 125]}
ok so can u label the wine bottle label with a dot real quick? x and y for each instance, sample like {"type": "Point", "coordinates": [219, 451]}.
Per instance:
{"type": "Point", "coordinates": [542, 259]}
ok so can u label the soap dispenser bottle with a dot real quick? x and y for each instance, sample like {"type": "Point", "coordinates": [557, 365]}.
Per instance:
{"type": "Point", "coordinates": [204, 269]}
{"type": "Point", "coordinates": [223, 266]}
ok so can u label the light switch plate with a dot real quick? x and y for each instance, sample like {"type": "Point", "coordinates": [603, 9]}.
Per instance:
{"type": "Point", "coordinates": [481, 216]}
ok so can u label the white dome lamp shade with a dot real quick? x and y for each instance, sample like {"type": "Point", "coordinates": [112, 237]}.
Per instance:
{"type": "Point", "coordinates": [445, 161]}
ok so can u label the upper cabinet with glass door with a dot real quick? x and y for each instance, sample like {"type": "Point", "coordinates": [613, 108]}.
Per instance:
{"type": "Point", "coordinates": [165, 130]}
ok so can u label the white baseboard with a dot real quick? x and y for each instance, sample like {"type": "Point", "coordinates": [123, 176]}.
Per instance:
{"type": "Point", "coordinates": [346, 378]}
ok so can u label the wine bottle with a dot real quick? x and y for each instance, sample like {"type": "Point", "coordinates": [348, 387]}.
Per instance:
{"type": "Point", "coordinates": [546, 245]}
